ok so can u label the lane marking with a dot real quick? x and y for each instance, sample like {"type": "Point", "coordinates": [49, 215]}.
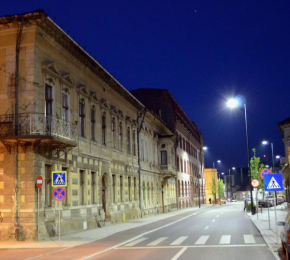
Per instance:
{"type": "Point", "coordinates": [225, 239]}
{"type": "Point", "coordinates": [249, 239]}
{"type": "Point", "coordinates": [218, 216]}
{"type": "Point", "coordinates": [136, 241]}
{"type": "Point", "coordinates": [178, 241]}
{"type": "Point", "coordinates": [179, 254]}
{"type": "Point", "coordinates": [195, 246]}
{"type": "Point", "coordinates": [213, 220]}
{"type": "Point", "coordinates": [116, 246]}
{"type": "Point", "coordinates": [157, 241]}
{"type": "Point", "coordinates": [206, 227]}
{"type": "Point", "coordinates": [202, 240]}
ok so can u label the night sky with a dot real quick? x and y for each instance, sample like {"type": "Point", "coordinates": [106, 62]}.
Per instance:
{"type": "Point", "coordinates": [203, 52]}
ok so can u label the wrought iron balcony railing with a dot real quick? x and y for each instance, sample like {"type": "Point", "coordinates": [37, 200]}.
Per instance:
{"type": "Point", "coordinates": [28, 125]}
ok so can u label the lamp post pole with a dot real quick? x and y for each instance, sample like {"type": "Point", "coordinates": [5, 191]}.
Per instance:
{"type": "Point", "coordinates": [248, 151]}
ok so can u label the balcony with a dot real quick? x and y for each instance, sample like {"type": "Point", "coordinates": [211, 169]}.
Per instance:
{"type": "Point", "coordinates": [31, 128]}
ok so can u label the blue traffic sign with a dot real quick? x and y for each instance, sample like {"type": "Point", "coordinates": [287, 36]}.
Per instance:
{"type": "Point", "coordinates": [59, 193]}
{"type": "Point", "coordinates": [273, 182]}
{"type": "Point", "coordinates": [59, 179]}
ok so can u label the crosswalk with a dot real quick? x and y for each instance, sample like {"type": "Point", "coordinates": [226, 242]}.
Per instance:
{"type": "Point", "coordinates": [182, 240]}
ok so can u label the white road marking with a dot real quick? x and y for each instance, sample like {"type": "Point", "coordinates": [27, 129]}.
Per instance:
{"type": "Point", "coordinates": [249, 239]}
{"type": "Point", "coordinates": [178, 241]}
{"type": "Point", "coordinates": [225, 239]}
{"type": "Point", "coordinates": [196, 246]}
{"type": "Point", "coordinates": [213, 220]}
{"type": "Point", "coordinates": [217, 216]}
{"type": "Point", "coordinates": [136, 241]}
{"type": "Point", "coordinates": [179, 253]}
{"type": "Point", "coordinates": [157, 241]}
{"type": "Point", "coordinates": [202, 240]}
{"type": "Point", "coordinates": [206, 227]}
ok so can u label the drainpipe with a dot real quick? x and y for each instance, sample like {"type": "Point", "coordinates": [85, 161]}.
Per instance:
{"type": "Point", "coordinates": [18, 40]}
{"type": "Point", "coordinates": [142, 114]}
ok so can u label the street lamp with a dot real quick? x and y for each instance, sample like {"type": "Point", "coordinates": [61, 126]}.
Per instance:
{"type": "Point", "coordinates": [205, 148]}
{"type": "Point", "coordinates": [272, 149]}
{"type": "Point", "coordinates": [230, 183]}
{"type": "Point", "coordinates": [218, 161]}
{"type": "Point", "coordinates": [234, 103]}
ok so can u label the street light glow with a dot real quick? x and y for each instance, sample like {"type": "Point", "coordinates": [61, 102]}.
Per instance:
{"type": "Point", "coordinates": [205, 148]}
{"type": "Point", "coordinates": [219, 161]}
{"type": "Point", "coordinates": [265, 142]}
{"type": "Point", "coordinates": [233, 168]}
{"type": "Point", "coordinates": [223, 173]}
{"type": "Point", "coordinates": [278, 156]}
{"type": "Point", "coordinates": [232, 103]}
{"type": "Point", "coordinates": [267, 166]}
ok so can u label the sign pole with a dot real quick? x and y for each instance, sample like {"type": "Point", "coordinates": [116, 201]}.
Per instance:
{"type": "Point", "coordinates": [38, 214]}
{"type": "Point", "coordinates": [257, 204]}
{"type": "Point", "coordinates": [268, 214]}
{"type": "Point", "coordinates": [59, 222]}
{"type": "Point", "coordinates": [276, 220]}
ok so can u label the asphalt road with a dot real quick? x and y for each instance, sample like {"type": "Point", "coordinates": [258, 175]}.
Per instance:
{"type": "Point", "coordinates": [218, 232]}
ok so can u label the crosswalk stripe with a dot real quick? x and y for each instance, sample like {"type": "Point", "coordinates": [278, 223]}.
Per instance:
{"type": "Point", "coordinates": [225, 239]}
{"type": "Point", "coordinates": [202, 240]}
{"type": "Point", "coordinates": [136, 241]}
{"type": "Point", "coordinates": [157, 241]}
{"type": "Point", "coordinates": [249, 239]}
{"type": "Point", "coordinates": [178, 241]}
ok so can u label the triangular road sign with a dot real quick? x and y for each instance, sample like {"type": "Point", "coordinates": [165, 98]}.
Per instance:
{"type": "Point", "coordinates": [273, 184]}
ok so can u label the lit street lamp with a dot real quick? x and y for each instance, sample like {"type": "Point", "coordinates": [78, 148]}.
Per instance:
{"type": "Point", "coordinates": [272, 149]}
{"type": "Point", "coordinates": [234, 103]}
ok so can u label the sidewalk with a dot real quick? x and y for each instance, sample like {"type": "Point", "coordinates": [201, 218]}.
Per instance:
{"type": "Point", "coordinates": [83, 237]}
{"type": "Point", "coordinates": [262, 223]}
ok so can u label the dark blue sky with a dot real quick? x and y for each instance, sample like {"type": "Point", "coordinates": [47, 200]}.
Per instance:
{"type": "Point", "coordinates": [202, 51]}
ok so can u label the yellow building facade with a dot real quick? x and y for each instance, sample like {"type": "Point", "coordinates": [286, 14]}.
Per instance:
{"type": "Point", "coordinates": [211, 185]}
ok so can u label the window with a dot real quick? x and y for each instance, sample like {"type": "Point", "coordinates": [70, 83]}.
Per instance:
{"type": "Point", "coordinates": [121, 188]}
{"type": "Point", "coordinates": [113, 188]}
{"type": "Point", "coordinates": [93, 188]}
{"type": "Point", "coordinates": [150, 153]}
{"type": "Point", "coordinates": [135, 189]}
{"type": "Point", "coordinates": [134, 142]}
{"type": "Point", "coordinates": [146, 151]}
{"type": "Point", "coordinates": [178, 188]}
{"type": "Point", "coordinates": [184, 166]}
{"type": "Point", "coordinates": [163, 157]}
{"type": "Point", "coordinates": [48, 100]}
{"type": "Point", "coordinates": [48, 188]}
{"type": "Point", "coordinates": [177, 163]}
{"type": "Point", "coordinates": [120, 136]}
{"type": "Point", "coordinates": [64, 106]}
{"type": "Point", "coordinates": [93, 121]}
{"type": "Point", "coordinates": [82, 117]}
{"type": "Point", "coordinates": [181, 165]}
{"type": "Point", "coordinates": [180, 141]}
{"type": "Point", "coordinates": [128, 140]}
{"type": "Point", "coordinates": [129, 188]}
{"type": "Point", "coordinates": [113, 128]}
{"type": "Point", "coordinates": [82, 187]}
{"type": "Point", "coordinates": [104, 128]}
{"type": "Point", "coordinates": [141, 149]}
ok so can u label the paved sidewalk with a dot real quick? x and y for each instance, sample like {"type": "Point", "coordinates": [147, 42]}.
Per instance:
{"type": "Point", "coordinates": [83, 237]}
{"type": "Point", "coordinates": [261, 220]}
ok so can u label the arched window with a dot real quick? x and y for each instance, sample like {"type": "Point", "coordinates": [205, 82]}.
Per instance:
{"type": "Point", "coordinates": [93, 121]}
{"type": "Point", "coordinates": [120, 136]}
{"type": "Point", "coordinates": [128, 140]}
{"type": "Point", "coordinates": [82, 117]}
{"type": "Point", "coordinates": [104, 128]}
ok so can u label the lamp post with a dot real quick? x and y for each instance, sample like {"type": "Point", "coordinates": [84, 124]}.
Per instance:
{"type": "Point", "coordinates": [272, 149]}
{"type": "Point", "coordinates": [234, 103]}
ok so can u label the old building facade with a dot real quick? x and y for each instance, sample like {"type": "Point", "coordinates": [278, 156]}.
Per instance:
{"type": "Point", "coordinates": [62, 111]}
{"type": "Point", "coordinates": [189, 159]}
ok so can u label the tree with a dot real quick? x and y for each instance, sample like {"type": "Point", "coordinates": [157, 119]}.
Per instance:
{"type": "Point", "coordinates": [220, 188]}
{"type": "Point", "coordinates": [255, 168]}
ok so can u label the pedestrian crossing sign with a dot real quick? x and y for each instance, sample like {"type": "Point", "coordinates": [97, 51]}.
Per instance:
{"type": "Point", "coordinates": [273, 182]}
{"type": "Point", "coordinates": [59, 179]}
